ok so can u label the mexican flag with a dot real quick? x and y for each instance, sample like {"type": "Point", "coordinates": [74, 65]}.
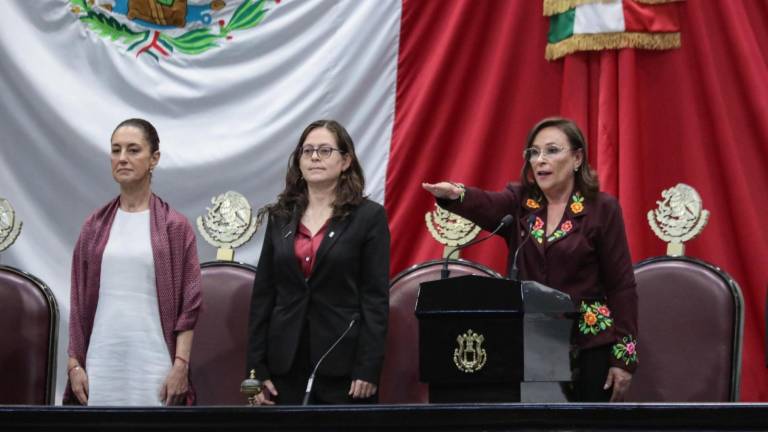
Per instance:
{"type": "Point", "coordinates": [593, 25]}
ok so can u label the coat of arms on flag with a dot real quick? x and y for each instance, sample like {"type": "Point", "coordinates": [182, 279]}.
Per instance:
{"type": "Point", "coordinates": [162, 27]}
{"type": "Point", "coordinates": [593, 25]}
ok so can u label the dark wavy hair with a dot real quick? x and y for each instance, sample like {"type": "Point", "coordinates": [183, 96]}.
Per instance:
{"type": "Point", "coordinates": [586, 179]}
{"type": "Point", "coordinates": [146, 128]}
{"type": "Point", "coordinates": [349, 188]}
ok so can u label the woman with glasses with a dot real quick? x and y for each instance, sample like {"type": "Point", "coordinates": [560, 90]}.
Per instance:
{"type": "Point", "coordinates": [571, 237]}
{"type": "Point", "coordinates": [135, 293]}
{"type": "Point", "coordinates": [322, 283]}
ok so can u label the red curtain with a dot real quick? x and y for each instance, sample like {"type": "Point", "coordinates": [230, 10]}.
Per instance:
{"type": "Point", "coordinates": [472, 80]}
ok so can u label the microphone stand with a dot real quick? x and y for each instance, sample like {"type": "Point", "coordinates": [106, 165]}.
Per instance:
{"type": "Point", "coordinates": [513, 271]}
{"type": "Point", "coordinates": [311, 379]}
{"type": "Point", "coordinates": [445, 273]}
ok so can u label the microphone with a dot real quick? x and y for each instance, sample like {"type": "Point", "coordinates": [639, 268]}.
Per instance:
{"type": "Point", "coordinates": [311, 379]}
{"type": "Point", "coordinates": [513, 270]}
{"type": "Point", "coordinates": [444, 273]}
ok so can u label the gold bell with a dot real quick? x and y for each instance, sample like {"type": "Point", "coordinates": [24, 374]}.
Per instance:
{"type": "Point", "coordinates": [251, 387]}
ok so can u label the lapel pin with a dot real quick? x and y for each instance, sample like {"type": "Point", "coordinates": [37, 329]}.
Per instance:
{"type": "Point", "coordinates": [331, 234]}
{"type": "Point", "coordinates": [287, 234]}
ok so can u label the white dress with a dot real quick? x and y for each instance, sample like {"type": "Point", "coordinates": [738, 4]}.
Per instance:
{"type": "Point", "coordinates": [128, 359]}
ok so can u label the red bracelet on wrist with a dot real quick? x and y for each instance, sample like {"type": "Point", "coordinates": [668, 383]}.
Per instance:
{"type": "Point", "coordinates": [186, 362]}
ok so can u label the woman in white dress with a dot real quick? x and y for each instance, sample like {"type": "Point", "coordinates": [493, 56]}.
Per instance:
{"type": "Point", "coordinates": [135, 291]}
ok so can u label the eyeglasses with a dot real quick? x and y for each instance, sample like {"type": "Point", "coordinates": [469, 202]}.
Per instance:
{"type": "Point", "coordinates": [532, 153]}
{"type": "Point", "coordinates": [323, 152]}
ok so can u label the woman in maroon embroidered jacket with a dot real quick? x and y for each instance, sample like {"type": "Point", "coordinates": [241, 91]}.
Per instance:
{"type": "Point", "coordinates": [577, 244]}
{"type": "Point", "coordinates": [135, 290]}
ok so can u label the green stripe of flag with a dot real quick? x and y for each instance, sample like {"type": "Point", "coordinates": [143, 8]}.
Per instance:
{"type": "Point", "coordinates": [561, 26]}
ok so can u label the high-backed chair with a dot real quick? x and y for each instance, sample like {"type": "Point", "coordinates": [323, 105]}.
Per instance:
{"type": "Point", "coordinates": [399, 382]}
{"type": "Point", "coordinates": [217, 364]}
{"type": "Point", "coordinates": [29, 317]}
{"type": "Point", "coordinates": [691, 317]}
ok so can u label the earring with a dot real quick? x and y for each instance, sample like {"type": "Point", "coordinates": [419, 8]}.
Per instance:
{"type": "Point", "coordinates": [576, 169]}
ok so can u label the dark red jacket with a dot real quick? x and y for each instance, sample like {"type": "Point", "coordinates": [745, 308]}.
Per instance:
{"type": "Point", "coordinates": [587, 257]}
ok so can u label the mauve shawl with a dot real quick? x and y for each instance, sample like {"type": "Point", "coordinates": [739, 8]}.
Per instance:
{"type": "Point", "coordinates": [177, 275]}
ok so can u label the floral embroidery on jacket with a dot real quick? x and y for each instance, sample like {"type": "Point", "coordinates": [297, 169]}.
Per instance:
{"type": "Point", "coordinates": [626, 350]}
{"type": "Point", "coordinates": [561, 232]}
{"type": "Point", "coordinates": [577, 203]}
{"type": "Point", "coordinates": [537, 230]}
{"type": "Point", "coordinates": [595, 318]}
{"type": "Point", "coordinates": [532, 204]}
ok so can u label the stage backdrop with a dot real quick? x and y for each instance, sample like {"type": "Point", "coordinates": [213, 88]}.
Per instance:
{"type": "Point", "coordinates": [429, 89]}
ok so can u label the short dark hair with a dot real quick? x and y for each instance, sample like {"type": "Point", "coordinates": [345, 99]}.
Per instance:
{"type": "Point", "coordinates": [351, 184]}
{"type": "Point", "coordinates": [146, 128]}
{"type": "Point", "coordinates": [586, 179]}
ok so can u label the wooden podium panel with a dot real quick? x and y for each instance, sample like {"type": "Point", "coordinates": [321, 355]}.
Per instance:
{"type": "Point", "coordinates": [455, 417]}
{"type": "Point", "coordinates": [493, 340]}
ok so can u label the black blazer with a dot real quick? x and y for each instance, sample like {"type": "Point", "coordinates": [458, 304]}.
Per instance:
{"type": "Point", "coordinates": [350, 280]}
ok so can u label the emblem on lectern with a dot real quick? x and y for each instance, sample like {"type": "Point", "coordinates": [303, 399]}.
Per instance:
{"type": "Point", "coordinates": [10, 225]}
{"type": "Point", "coordinates": [678, 218]}
{"type": "Point", "coordinates": [470, 356]}
{"type": "Point", "coordinates": [450, 229]}
{"type": "Point", "coordinates": [229, 223]}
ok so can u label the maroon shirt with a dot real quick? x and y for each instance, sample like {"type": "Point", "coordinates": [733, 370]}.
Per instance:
{"type": "Point", "coordinates": [177, 276]}
{"type": "Point", "coordinates": [586, 256]}
{"type": "Point", "coordinates": [305, 247]}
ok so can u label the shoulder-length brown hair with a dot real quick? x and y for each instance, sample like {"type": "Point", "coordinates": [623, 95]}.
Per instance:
{"type": "Point", "coordinates": [349, 188]}
{"type": "Point", "coordinates": [586, 179]}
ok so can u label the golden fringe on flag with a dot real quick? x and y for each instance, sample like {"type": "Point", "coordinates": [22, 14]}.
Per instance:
{"type": "Point", "coordinates": [656, 1]}
{"type": "Point", "coordinates": [554, 7]}
{"type": "Point", "coordinates": [603, 41]}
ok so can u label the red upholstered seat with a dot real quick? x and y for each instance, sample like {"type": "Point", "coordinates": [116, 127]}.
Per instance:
{"type": "Point", "coordinates": [399, 381]}
{"type": "Point", "coordinates": [217, 365]}
{"type": "Point", "coordinates": [29, 317]}
{"type": "Point", "coordinates": [690, 331]}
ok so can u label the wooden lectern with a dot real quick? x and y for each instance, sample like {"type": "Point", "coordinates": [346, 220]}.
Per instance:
{"type": "Point", "coordinates": [493, 340]}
